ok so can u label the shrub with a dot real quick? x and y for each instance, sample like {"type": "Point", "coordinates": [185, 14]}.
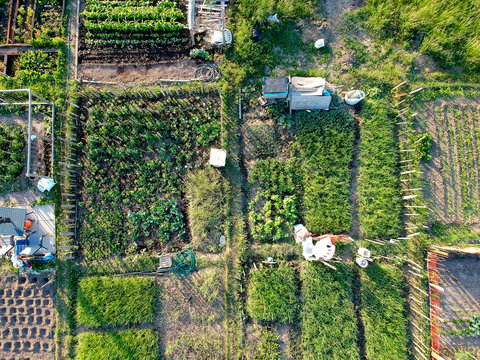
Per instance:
{"type": "Point", "coordinates": [424, 145]}
{"type": "Point", "coordinates": [205, 195]}
{"type": "Point", "coordinates": [114, 345]}
{"type": "Point", "coordinates": [272, 294]}
{"type": "Point", "coordinates": [383, 312]}
{"type": "Point", "coordinates": [328, 313]}
{"type": "Point", "coordinates": [379, 205]}
{"type": "Point", "coordinates": [116, 301]}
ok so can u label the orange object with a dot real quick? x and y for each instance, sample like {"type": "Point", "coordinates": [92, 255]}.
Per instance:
{"type": "Point", "coordinates": [28, 224]}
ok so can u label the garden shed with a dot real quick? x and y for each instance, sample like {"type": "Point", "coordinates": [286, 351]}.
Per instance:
{"type": "Point", "coordinates": [275, 88]}
{"type": "Point", "coordinates": [309, 93]}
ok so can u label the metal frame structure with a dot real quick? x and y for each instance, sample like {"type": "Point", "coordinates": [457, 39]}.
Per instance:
{"type": "Point", "coordinates": [25, 97]}
{"type": "Point", "coordinates": [203, 15]}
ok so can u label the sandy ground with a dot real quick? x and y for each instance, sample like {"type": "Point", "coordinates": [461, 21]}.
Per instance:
{"type": "Point", "coordinates": [27, 310]}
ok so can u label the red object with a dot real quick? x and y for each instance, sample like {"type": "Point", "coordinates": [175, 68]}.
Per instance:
{"type": "Point", "coordinates": [28, 224]}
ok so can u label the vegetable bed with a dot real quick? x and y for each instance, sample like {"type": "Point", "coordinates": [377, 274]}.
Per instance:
{"type": "Point", "coordinates": [272, 294]}
{"type": "Point", "coordinates": [116, 301]}
{"type": "Point", "coordinates": [379, 206]}
{"type": "Point", "coordinates": [114, 28]}
{"type": "Point", "coordinates": [383, 312]}
{"type": "Point", "coordinates": [114, 345]}
{"type": "Point", "coordinates": [325, 141]}
{"type": "Point", "coordinates": [12, 158]}
{"type": "Point", "coordinates": [138, 146]}
{"type": "Point", "coordinates": [329, 323]}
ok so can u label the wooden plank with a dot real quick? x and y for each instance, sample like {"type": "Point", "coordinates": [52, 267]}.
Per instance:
{"type": "Point", "coordinates": [67, 234]}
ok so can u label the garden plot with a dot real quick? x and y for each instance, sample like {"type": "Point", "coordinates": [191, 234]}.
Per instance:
{"type": "Point", "coordinates": [125, 31]}
{"type": "Point", "coordinates": [459, 278]}
{"type": "Point", "coordinates": [192, 317]}
{"type": "Point", "coordinates": [138, 146]}
{"type": "Point", "coordinates": [452, 175]}
{"type": "Point", "coordinates": [299, 169]}
{"type": "Point", "coordinates": [27, 311]}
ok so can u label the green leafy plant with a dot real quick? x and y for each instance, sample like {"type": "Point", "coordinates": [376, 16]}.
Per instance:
{"type": "Point", "coordinates": [424, 145]}
{"type": "Point", "coordinates": [12, 158]}
{"type": "Point", "coordinates": [268, 347]}
{"type": "Point", "coordinates": [163, 219]}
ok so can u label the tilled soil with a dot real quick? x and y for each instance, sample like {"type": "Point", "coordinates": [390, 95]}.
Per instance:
{"type": "Point", "coordinates": [27, 310]}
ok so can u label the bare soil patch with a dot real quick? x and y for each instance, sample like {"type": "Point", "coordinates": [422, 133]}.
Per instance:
{"type": "Point", "coordinates": [180, 69]}
{"type": "Point", "coordinates": [452, 178]}
{"type": "Point", "coordinates": [27, 309]}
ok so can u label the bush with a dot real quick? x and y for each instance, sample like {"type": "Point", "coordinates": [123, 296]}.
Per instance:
{"type": "Point", "coordinates": [424, 146]}
{"type": "Point", "coordinates": [115, 345]}
{"type": "Point", "coordinates": [272, 294]}
{"type": "Point", "coordinates": [116, 301]}
{"type": "Point", "coordinates": [205, 195]}
{"type": "Point", "coordinates": [379, 205]}
{"type": "Point", "coordinates": [383, 312]}
{"type": "Point", "coordinates": [328, 313]}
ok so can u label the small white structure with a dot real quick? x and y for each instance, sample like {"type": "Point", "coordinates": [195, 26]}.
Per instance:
{"type": "Point", "coordinates": [354, 97]}
{"type": "Point", "coordinates": [45, 184]}
{"type": "Point", "coordinates": [320, 43]}
{"type": "Point", "coordinates": [309, 93]}
{"type": "Point", "coordinates": [322, 250]}
{"type": "Point", "coordinates": [216, 37]}
{"type": "Point", "coordinates": [218, 157]}
{"type": "Point", "coordinates": [363, 258]}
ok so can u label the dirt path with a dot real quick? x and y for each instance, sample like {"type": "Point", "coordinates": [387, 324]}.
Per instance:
{"type": "Point", "coordinates": [355, 230]}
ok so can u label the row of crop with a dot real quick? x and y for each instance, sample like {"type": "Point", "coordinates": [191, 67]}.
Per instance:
{"type": "Point", "coordinates": [329, 322]}
{"type": "Point", "coordinates": [329, 316]}
{"type": "Point", "coordinates": [129, 25]}
{"type": "Point", "coordinates": [119, 34]}
{"type": "Point", "coordinates": [12, 158]}
{"type": "Point", "coordinates": [132, 13]}
{"type": "Point", "coordinates": [379, 206]}
{"type": "Point", "coordinates": [128, 42]}
{"type": "Point", "coordinates": [113, 301]}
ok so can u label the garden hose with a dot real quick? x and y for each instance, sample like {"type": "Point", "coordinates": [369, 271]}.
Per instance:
{"type": "Point", "coordinates": [183, 263]}
{"type": "Point", "coordinates": [208, 72]}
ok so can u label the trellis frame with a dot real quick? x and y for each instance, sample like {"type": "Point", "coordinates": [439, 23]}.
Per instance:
{"type": "Point", "coordinates": [27, 98]}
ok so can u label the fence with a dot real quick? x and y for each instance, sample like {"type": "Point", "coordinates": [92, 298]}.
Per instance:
{"type": "Point", "coordinates": [414, 216]}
